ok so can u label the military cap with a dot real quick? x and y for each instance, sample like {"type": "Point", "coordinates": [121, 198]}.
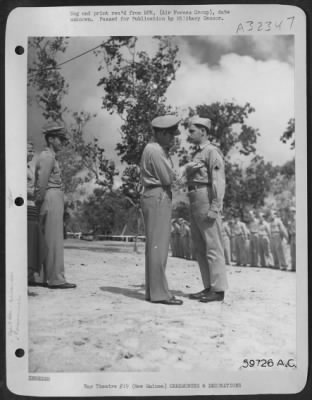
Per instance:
{"type": "Point", "coordinates": [55, 129]}
{"type": "Point", "coordinates": [166, 122]}
{"type": "Point", "coordinates": [196, 120]}
{"type": "Point", "coordinates": [293, 209]}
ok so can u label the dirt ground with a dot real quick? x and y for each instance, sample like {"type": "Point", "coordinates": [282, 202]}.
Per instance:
{"type": "Point", "coordinates": [106, 325]}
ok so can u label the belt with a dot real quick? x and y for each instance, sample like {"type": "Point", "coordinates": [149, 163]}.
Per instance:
{"type": "Point", "coordinates": [197, 186]}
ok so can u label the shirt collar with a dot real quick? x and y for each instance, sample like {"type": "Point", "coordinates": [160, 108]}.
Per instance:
{"type": "Point", "coordinates": [203, 145]}
{"type": "Point", "coordinates": [51, 151]}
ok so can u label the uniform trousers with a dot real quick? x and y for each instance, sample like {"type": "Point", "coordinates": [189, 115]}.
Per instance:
{"type": "Point", "coordinates": [36, 248]}
{"type": "Point", "coordinates": [254, 250]}
{"type": "Point", "coordinates": [173, 244]}
{"type": "Point", "coordinates": [51, 221]}
{"type": "Point", "coordinates": [156, 207]}
{"type": "Point", "coordinates": [233, 255]}
{"type": "Point", "coordinates": [240, 250]}
{"type": "Point", "coordinates": [186, 241]}
{"type": "Point", "coordinates": [293, 251]}
{"type": "Point", "coordinates": [265, 251]}
{"type": "Point", "coordinates": [278, 251]}
{"type": "Point", "coordinates": [227, 249]}
{"type": "Point", "coordinates": [207, 241]}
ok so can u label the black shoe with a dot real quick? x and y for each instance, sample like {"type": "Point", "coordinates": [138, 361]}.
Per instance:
{"type": "Point", "coordinates": [199, 295]}
{"type": "Point", "coordinates": [212, 296]}
{"type": "Point", "coordinates": [171, 302]}
{"type": "Point", "coordinates": [65, 285]}
{"type": "Point", "coordinates": [33, 283]}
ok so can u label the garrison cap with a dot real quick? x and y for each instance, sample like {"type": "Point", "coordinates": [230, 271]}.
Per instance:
{"type": "Point", "coordinates": [166, 122]}
{"type": "Point", "coordinates": [55, 129]}
{"type": "Point", "coordinates": [196, 120]}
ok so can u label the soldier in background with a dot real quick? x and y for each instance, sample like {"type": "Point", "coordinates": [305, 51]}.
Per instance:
{"type": "Point", "coordinates": [253, 227]}
{"type": "Point", "coordinates": [278, 233]}
{"type": "Point", "coordinates": [226, 232]}
{"type": "Point", "coordinates": [36, 247]}
{"type": "Point", "coordinates": [266, 258]}
{"type": "Point", "coordinates": [179, 248]}
{"type": "Point", "coordinates": [50, 200]}
{"type": "Point", "coordinates": [292, 238]}
{"type": "Point", "coordinates": [232, 240]}
{"type": "Point", "coordinates": [240, 233]}
{"type": "Point", "coordinates": [173, 239]}
{"type": "Point", "coordinates": [185, 239]}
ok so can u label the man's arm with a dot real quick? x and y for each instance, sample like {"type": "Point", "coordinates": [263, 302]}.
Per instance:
{"type": "Point", "coordinates": [44, 170]}
{"type": "Point", "coordinates": [216, 174]}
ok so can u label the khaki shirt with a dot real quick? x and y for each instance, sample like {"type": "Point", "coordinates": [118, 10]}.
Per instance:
{"type": "Point", "coordinates": [264, 228]}
{"type": "Point", "coordinates": [254, 226]}
{"type": "Point", "coordinates": [211, 173]}
{"type": "Point", "coordinates": [156, 166]}
{"type": "Point", "coordinates": [239, 229]}
{"type": "Point", "coordinates": [226, 229]}
{"type": "Point", "coordinates": [277, 227]}
{"type": "Point", "coordinates": [47, 173]}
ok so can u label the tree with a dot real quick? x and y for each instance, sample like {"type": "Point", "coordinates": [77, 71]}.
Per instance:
{"type": "Point", "coordinates": [103, 212]}
{"type": "Point", "coordinates": [81, 161]}
{"type": "Point", "coordinates": [135, 85]}
{"type": "Point", "coordinates": [44, 76]}
{"type": "Point", "coordinates": [228, 128]}
{"type": "Point", "coordinates": [289, 133]}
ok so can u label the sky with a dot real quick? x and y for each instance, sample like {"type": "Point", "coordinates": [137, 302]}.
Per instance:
{"type": "Point", "coordinates": [255, 69]}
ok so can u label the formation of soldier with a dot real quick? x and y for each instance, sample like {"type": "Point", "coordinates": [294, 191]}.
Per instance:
{"type": "Point", "coordinates": [264, 241]}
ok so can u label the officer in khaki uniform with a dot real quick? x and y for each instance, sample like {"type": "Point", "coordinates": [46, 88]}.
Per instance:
{"type": "Point", "coordinates": [266, 258]}
{"type": "Point", "coordinates": [206, 187]}
{"type": "Point", "coordinates": [157, 175]}
{"type": "Point", "coordinates": [226, 233]}
{"type": "Point", "coordinates": [50, 201]}
{"type": "Point", "coordinates": [292, 238]}
{"type": "Point", "coordinates": [240, 233]}
{"type": "Point", "coordinates": [253, 248]}
{"type": "Point", "coordinates": [278, 233]}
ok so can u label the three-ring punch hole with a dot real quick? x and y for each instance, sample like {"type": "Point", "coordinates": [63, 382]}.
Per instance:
{"type": "Point", "coordinates": [19, 50]}
{"type": "Point", "coordinates": [19, 353]}
{"type": "Point", "coordinates": [19, 201]}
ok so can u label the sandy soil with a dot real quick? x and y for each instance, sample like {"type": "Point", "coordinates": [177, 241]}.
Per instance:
{"type": "Point", "coordinates": [106, 325]}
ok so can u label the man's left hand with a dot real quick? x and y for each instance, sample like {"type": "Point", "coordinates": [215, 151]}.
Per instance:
{"type": "Point", "coordinates": [212, 215]}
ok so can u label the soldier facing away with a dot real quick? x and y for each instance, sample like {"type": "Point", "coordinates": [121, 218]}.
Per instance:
{"type": "Point", "coordinates": [206, 187]}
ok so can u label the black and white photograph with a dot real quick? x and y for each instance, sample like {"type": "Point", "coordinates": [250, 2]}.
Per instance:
{"type": "Point", "coordinates": [162, 203]}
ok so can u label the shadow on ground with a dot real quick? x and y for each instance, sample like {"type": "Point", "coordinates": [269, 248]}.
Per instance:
{"type": "Point", "coordinates": [136, 292]}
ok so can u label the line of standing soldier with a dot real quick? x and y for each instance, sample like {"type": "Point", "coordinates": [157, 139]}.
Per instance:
{"type": "Point", "coordinates": [261, 242]}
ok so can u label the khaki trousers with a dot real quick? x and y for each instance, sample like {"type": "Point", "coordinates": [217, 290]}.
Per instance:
{"type": "Point", "coordinates": [207, 241]}
{"type": "Point", "coordinates": [278, 251]}
{"type": "Point", "coordinates": [227, 249]}
{"type": "Point", "coordinates": [254, 250]}
{"type": "Point", "coordinates": [266, 259]}
{"type": "Point", "coordinates": [51, 221]}
{"type": "Point", "coordinates": [293, 251]}
{"type": "Point", "coordinates": [156, 207]}
{"type": "Point", "coordinates": [240, 250]}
